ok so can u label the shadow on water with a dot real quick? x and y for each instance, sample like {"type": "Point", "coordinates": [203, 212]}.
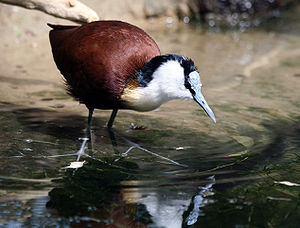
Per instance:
{"type": "Point", "coordinates": [268, 202]}
{"type": "Point", "coordinates": [225, 184]}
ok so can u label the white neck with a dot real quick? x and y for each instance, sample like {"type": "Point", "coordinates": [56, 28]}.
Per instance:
{"type": "Point", "coordinates": [167, 84]}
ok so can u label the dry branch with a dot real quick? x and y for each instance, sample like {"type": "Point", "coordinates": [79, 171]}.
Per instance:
{"type": "Point", "coordinates": [68, 9]}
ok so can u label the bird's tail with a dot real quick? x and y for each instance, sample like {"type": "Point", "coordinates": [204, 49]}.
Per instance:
{"type": "Point", "coordinates": [61, 27]}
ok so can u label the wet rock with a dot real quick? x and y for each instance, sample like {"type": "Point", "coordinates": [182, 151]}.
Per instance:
{"type": "Point", "coordinates": [235, 13]}
{"type": "Point", "coordinates": [239, 14]}
{"type": "Point", "coordinates": [178, 8]}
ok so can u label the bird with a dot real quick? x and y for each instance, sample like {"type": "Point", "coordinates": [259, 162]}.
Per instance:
{"type": "Point", "coordinates": [115, 65]}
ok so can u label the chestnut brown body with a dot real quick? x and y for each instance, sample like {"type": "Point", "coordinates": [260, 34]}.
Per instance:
{"type": "Point", "coordinates": [100, 58]}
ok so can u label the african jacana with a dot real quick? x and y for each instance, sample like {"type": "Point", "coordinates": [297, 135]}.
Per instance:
{"type": "Point", "coordinates": [116, 65]}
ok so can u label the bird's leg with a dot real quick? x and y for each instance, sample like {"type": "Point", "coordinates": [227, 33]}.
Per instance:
{"type": "Point", "coordinates": [112, 118]}
{"type": "Point", "coordinates": [89, 131]}
{"type": "Point", "coordinates": [91, 111]}
{"type": "Point", "coordinates": [87, 135]}
{"type": "Point", "coordinates": [110, 131]}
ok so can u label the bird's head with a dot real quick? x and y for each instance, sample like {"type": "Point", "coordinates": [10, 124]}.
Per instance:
{"type": "Point", "coordinates": [168, 77]}
{"type": "Point", "coordinates": [192, 82]}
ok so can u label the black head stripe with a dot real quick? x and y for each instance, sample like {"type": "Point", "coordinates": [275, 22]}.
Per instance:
{"type": "Point", "coordinates": [188, 66]}
{"type": "Point", "coordinates": [188, 86]}
{"type": "Point", "coordinates": [145, 75]}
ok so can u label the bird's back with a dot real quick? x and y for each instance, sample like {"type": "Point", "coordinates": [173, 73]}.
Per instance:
{"type": "Point", "coordinates": [98, 58]}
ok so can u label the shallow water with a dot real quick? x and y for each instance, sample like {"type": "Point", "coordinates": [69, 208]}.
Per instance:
{"type": "Point", "coordinates": [241, 172]}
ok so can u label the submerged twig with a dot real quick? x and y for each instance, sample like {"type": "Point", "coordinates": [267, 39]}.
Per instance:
{"type": "Point", "coordinates": [134, 145]}
{"type": "Point", "coordinates": [226, 165]}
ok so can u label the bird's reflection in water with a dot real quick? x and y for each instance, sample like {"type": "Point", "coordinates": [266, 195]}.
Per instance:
{"type": "Point", "coordinates": [91, 195]}
{"type": "Point", "coordinates": [199, 201]}
{"type": "Point", "coordinates": [98, 194]}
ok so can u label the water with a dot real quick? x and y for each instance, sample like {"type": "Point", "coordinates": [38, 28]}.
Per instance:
{"type": "Point", "coordinates": [241, 172]}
